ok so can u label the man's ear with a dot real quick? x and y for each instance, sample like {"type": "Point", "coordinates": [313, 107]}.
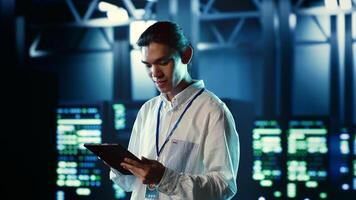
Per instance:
{"type": "Point", "coordinates": [187, 55]}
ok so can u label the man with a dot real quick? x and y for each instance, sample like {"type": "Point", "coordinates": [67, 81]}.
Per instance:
{"type": "Point", "coordinates": [186, 136]}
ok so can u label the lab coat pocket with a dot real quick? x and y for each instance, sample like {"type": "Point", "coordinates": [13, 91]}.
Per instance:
{"type": "Point", "coordinates": [182, 155]}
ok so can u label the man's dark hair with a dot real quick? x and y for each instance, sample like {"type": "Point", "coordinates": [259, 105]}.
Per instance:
{"type": "Point", "coordinates": [165, 32]}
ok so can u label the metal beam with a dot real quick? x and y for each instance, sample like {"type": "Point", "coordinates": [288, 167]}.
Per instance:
{"type": "Point", "coordinates": [90, 23]}
{"type": "Point", "coordinates": [349, 74]}
{"type": "Point", "coordinates": [148, 9]}
{"type": "Point", "coordinates": [106, 37]}
{"type": "Point", "coordinates": [334, 88]}
{"type": "Point", "coordinates": [20, 30]}
{"type": "Point", "coordinates": [268, 12]}
{"type": "Point", "coordinates": [48, 53]}
{"type": "Point", "coordinates": [93, 4]}
{"type": "Point", "coordinates": [209, 14]}
{"type": "Point", "coordinates": [130, 8]}
{"type": "Point", "coordinates": [285, 57]}
{"type": "Point", "coordinates": [236, 30]}
{"type": "Point", "coordinates": [86, 22]}
{"type": "Point", "coordinates": [212, 10]}
{"type": "Point", "coordinates": [82, 33]}
{"type": "Point", "coordinates": [195, 29]}
{"type": "Point", "coordinates": [257, 3]}
{"type": "Point", "coordinates": [33, 51]}
{"type": "Point", "coordinates": [206, 46]}
{"type": "Point", "coordinates": [73, 10]}
{"type": "Point", "coordinates": [317, 22]}
{"type": "Point", "coordinates": [229, 15]}
{"type": "Point", "coordinates": [334, 104]}
{"type": "Point", "coordinates": [203, 46]}
{"type": "Point", "coordinates": [323, 11]}
{"type": "Point", "coordinates": [284, 71]}
{"type": "Point", "coordinates": [217, 34]}
{"type": "Point", "coordinates": [208, 6]}
{"type": "Point", "coordinates": [122, 71]}
{"type": "Point", "coordinates": [312, 42]}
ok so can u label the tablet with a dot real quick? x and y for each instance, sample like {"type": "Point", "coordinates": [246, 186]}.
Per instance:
{"type": "Point", "coordinates": [112, 155]}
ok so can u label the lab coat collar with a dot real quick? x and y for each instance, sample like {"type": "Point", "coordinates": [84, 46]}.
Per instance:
{"type": "Point", "coordinates": [182, 97]}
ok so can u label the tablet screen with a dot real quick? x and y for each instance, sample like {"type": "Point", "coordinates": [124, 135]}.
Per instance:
{"type": "Point", "coordinates": [112, 155]}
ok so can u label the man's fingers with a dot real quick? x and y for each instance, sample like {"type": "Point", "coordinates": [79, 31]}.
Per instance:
{"type": "Point", "coordinates": [134, 170]}
{"type": "Point", "coordinates": [149, 171]}
{"type": "Point", "coordinates": [132, 162]}
{"type": "Point", "coordinates": [145, 160]}
{"type": "Point", "coordinates": [127, 166]}
{"type": "Point", "coordinates": [134, 166]}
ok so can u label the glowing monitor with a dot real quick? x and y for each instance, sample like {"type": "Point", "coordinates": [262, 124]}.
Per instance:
{"type": "Point", "coordinates": [78, 171]}
{"type": "Point", "coordinates": [345, 153]}
{"type": "Point", "coordinates": [124, 116]}
{"type": "Point", "coordinates": [307, 159]}
{"type": "Point", "coordinates": [267, 153]}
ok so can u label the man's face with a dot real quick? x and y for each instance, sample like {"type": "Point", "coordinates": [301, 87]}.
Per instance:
{"type": "Point", "coordinates": [164, 66]}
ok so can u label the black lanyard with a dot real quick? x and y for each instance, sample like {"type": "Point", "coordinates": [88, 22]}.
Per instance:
{"type": "Point", "coordinates": [158, 151]}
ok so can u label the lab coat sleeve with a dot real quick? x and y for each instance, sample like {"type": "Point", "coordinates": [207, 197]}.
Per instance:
{"type": "Point", "coordinates": [127, 182]}
{"type": "Point", "coordinates": [221, 159]}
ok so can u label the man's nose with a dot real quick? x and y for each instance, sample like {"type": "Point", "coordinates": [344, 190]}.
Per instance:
{"type": "Point", "coordinates": [156, 71]}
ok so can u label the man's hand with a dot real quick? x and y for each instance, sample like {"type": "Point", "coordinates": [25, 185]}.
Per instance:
{"type": "Point", "coordinates": [148, 171]}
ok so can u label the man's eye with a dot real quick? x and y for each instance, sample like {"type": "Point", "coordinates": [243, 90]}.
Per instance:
{"type": "Point", "coordinates": [148, 65]}
{"type": "Point", "coordinates": [165, 62]}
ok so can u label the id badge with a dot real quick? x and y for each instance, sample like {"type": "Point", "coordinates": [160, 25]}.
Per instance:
{"type": "Point", "coordinates": [151, 192]}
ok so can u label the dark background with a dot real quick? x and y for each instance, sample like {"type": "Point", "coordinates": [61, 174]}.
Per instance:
{"type": "Point", "coordinates": [271, 59]}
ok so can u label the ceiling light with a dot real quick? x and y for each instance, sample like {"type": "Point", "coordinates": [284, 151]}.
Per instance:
{"type": "Point", "coordinates": [105, 7]}
{"type": "Point", "coordinates": [117, 15]}
{"type": "Point", "coordinates": [331, 4]}
{"type": "Point", "coordinates": [345, 4]}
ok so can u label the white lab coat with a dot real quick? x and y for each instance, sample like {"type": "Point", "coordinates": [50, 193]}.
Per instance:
{"type": "Point", "coordinates": [202, 155]}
